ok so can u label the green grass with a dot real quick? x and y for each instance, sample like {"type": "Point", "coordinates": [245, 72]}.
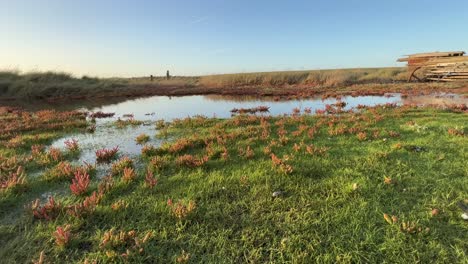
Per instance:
{"type": "Point", "coordinates": [318, 218]}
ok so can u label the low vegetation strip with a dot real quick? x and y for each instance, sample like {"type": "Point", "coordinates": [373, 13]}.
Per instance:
{"type": "Point", "coordinates": [378, 184]}
{"type": "Point", "coordinates": [53, 86]}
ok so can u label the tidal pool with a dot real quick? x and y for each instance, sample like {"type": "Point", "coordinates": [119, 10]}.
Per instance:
{"type": "Point", "coordinates": [155, 108]}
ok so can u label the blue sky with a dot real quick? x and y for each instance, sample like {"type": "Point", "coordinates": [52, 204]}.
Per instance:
{"type": "Point", "coordinates": [134, 38]}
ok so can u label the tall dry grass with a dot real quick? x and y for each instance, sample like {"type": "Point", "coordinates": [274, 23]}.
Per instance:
{"type": "Point", "coordinates": [323, 78]}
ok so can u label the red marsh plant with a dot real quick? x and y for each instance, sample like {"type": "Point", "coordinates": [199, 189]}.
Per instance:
{"type": "Point", "coordinates": [297, 147]}
{"type": "Point", "coordinates": [149, 151]}
{"type": "Point", "coordinates": [106, 155]}
{"type": "Point", "coordinates": [47, 211]}
{"type": "Point", "coordinates": [181, 210]}
{"type": "Point", "coordinates": [64, 170]}
{"type": "Point", "coordinates": [62, 236]}
{"type": "Point", "coordinates": [311, 132]}
{"type": "Point", "coordinates": [248, 153]}
{"type": "Point", "coordinates": [54, 154]}
{"type": "Point", "coordinates": [126, 243]}
{"type": "Point", "coordinates": [267, 150]}
{"type": "Point", "coordinates": [300, 130]}
{"type": "Point", "coordinates": [361, 136]}
{"type": "Point", "coordinates": [150, 180]}
{"type": "Point", "coordinates": [72, 145]}
{"type": "Point", "coordinates": [142, 139]}
{"type": "Point", "coordinates": [376, 134]}
{"type": "Point", "coordinates": [340, 129]}
{"type": "Point", "coordinates": [128, 174]}
{"type": "Point", "coordinates": [105, 185]}
{"type": "Point", "coordinates": [225, 154]}
{"type": "Point", "coordinates": [119, 166]}
{"type": "Point", "coordinates": [283, 140]}
{"type": "Point", "coordinates": [80, 183]}
{"type": "Point", "coordinates": [456, 132]}
{"type": "Point", "coordinates": [13, 180]}
{"type": "Point", "coordinates": [296, 111]}
{"type": "Point", "coordinates": [37, 150]}
{"type": "Point", "coordinates": [157, 163]}
{"type": "Point", "coordinates": [393, 134]}
{"type": "Point", "coordinates": [282, 164]}
{"type": "Point", "coordinates": [86, 207]}
{"type": "Point", "coordinates": [191, 161]}
{"type": "Point", "coordinates": [314, 150]}
{"type": "Point", "coordinates": [181, 145]}
{"type": "Point", "coordinates": [15, 142]}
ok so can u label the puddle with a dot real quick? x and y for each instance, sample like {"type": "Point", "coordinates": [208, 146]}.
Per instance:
{"type": "Point", "coordinates": [168, 108]}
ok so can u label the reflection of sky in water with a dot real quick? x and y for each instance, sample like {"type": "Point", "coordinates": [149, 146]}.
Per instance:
{"type": "Point", "coordinates": [178, 107]}
{"type": "Point", "coordinates": [169, 108]}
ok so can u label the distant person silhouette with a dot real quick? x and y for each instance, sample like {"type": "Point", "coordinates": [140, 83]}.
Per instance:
{"type": "Point", "coordinates": [168, 76]}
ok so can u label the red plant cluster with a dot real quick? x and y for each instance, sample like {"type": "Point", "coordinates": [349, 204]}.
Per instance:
{"type": "Point", "coordinates": [72, 145]}
{"type": "Point", "coordinates": [106, 155]}
{"type": "Point", "coordinates": [86, 207]}
{"type": "Point", "coordinates": [149, 151]}
{"type": "Point", "coordinates": [456, 132]}
{"type": "Point", "coordinates": [362, 136]}
{"type": "Point", "coordinates": [157, 163]}
{"type": "Point", "coordinates": [191, 161]}
{"type": "Point", "coordinates": [80, 183]}
{"type": "Point", "coordinates": [126, 243]}
{"type": "Point", "coordinates": [37, 150]}
{"type": "Point", "coordinates": [13, 180]}
{"type": "Point", "coordinates": [54, 154]}
{"type": "Point", "coordinates": [181, 210]}
{"type": "Point", "coordinates": [128, 174]}
{"type": "Point", "coordinates": [48, 211]}
{"type": "Point", "coordinates": [46, 120]}
{"type": "Point", "coordinates": [150, 180]}
{"type": "Point", "coordinates": [62, 236]}
{"type": "Point", "coordinates": [181, 145]}
{"type": "Point", "coordinates": [65, 170]}
{"type": "Point", "coordinates": [248, 153]}
{"type": "Point", "coordinates": [282, 164]}
{"type": "Point", "coordinates": [119, 166]}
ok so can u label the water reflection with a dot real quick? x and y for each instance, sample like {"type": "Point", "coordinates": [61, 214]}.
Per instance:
{"type": "Point", "coordinates": [168, 108]}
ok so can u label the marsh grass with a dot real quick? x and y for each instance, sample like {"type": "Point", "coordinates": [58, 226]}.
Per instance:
{"type": "Point", "coordinates": [322, 78]}
{"type": "Point", "coordinates": [50, 84]}
{"type": "Point", "coordinates": [46, 85]}
{"type": "Point", "coordinates": [334, 202]}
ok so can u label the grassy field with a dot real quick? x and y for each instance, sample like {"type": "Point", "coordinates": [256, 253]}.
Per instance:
{"type": "Point", "coordinates": [378, 185]}
{"type": "Point", "coordinates": [51, 85]}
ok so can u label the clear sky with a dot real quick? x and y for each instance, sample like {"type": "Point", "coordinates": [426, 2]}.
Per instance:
{"type": "Point", "coordinates": [141, 37]}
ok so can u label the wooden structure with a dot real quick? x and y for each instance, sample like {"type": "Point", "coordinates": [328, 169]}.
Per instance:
{"type": "Point", "coordinates": [438, 66]}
